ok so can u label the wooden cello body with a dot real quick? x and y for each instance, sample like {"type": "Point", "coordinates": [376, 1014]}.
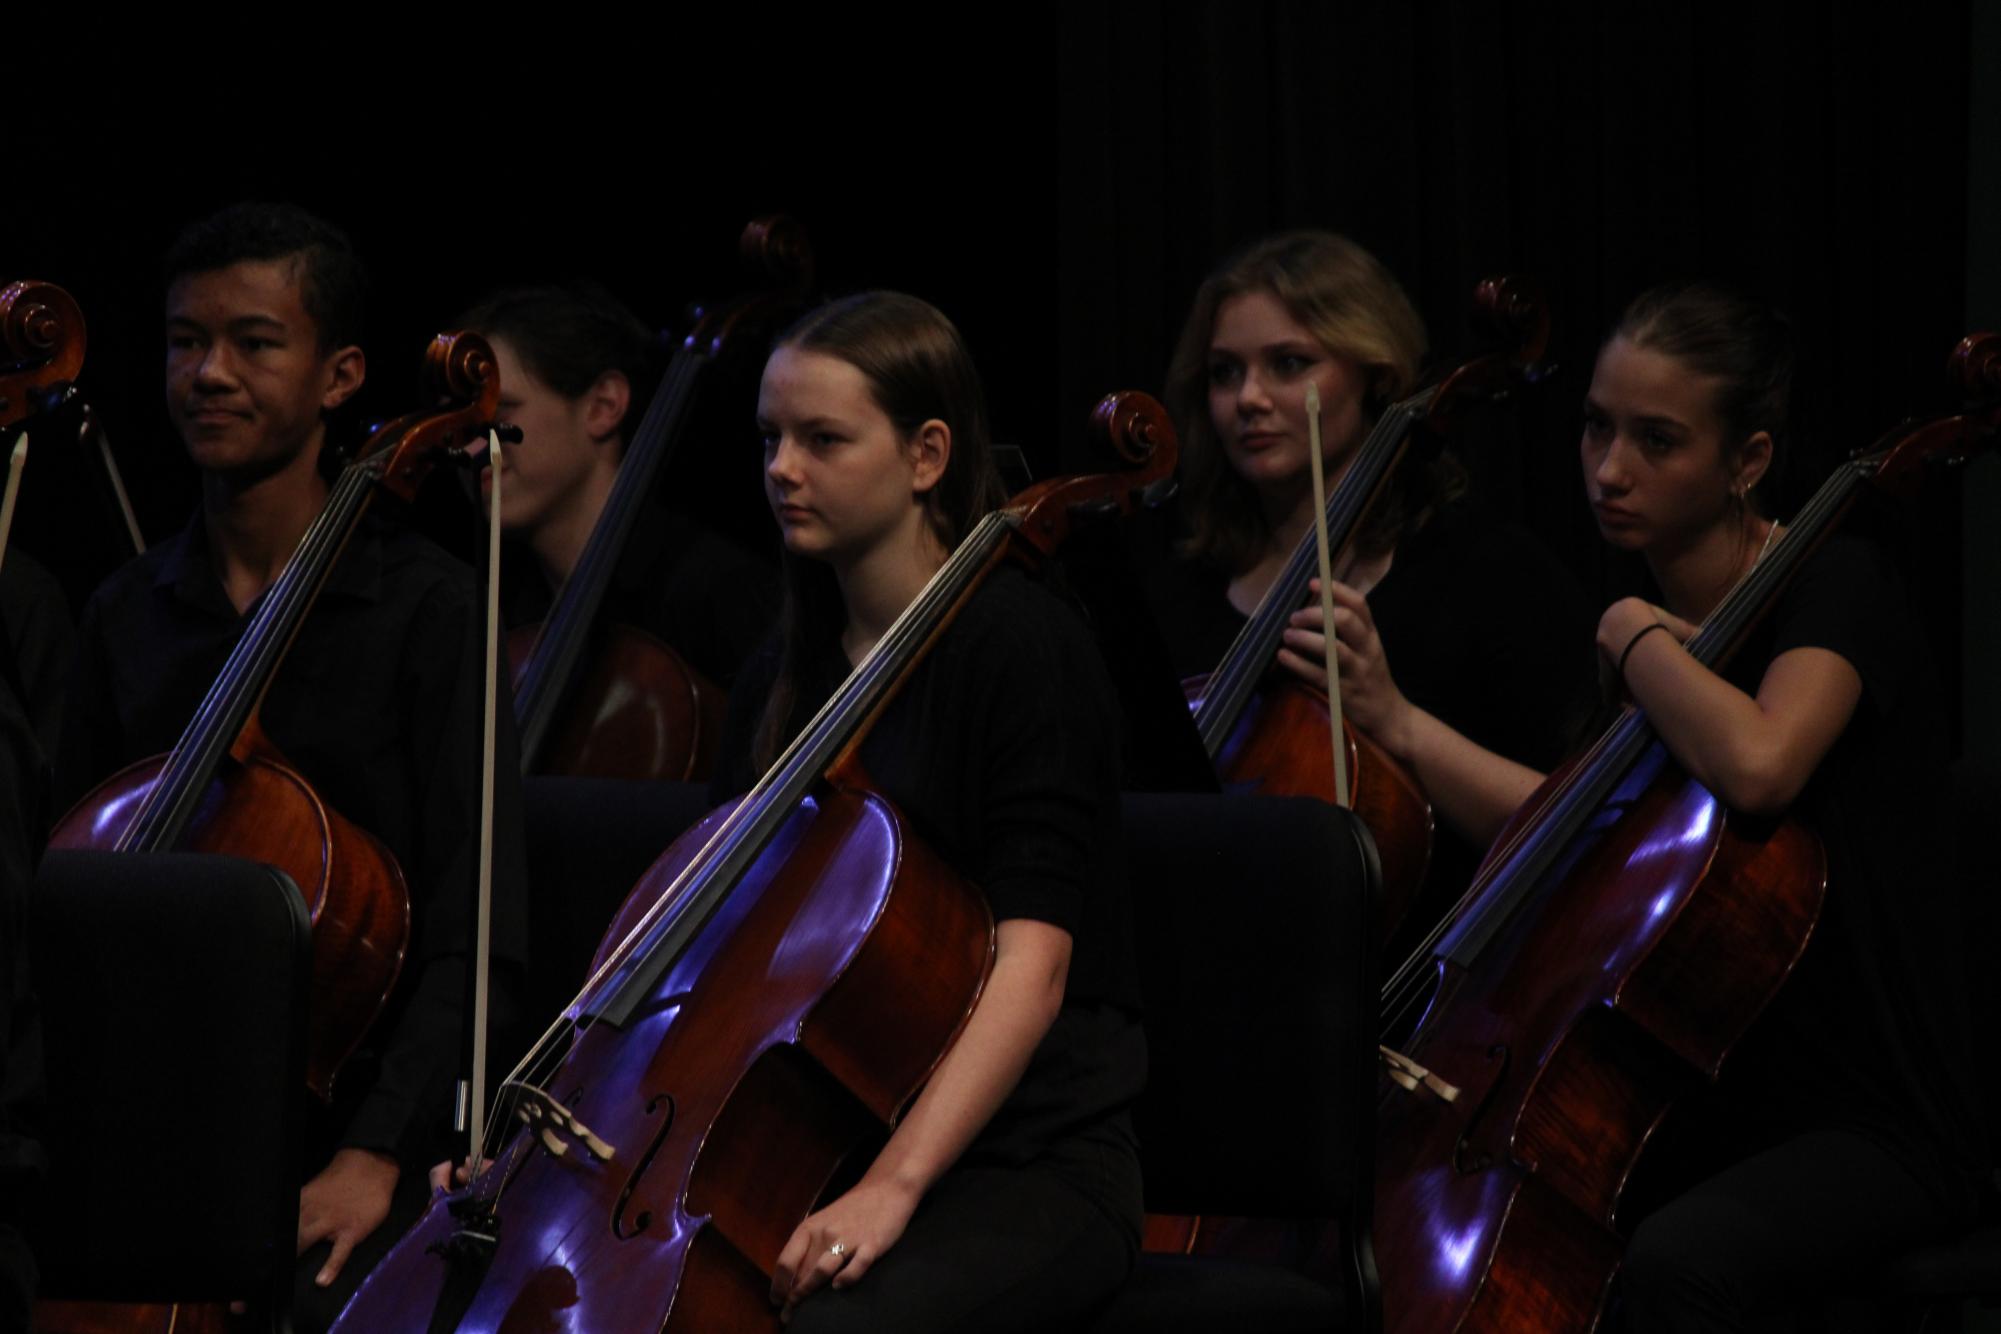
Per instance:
{"type": "Point", "coordinates": [1508, 1194]}
{"type": "Point", "coordinates": [637, 710]}
{"type": "Point", "coordinates": [774, 993]}
{"type": "Point", "coordinates": [1279, 748]}
{"type": "Point", "coordinates": [1623, 934]}
{"type": "Point", "coordinates": [260, 808]}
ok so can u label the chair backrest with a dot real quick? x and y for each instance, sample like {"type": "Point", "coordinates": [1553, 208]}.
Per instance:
{"type": "Point", "coordinates": [173, 993]}
{"type": "Point", "coordinates": [589, 840]}
{"type": "Point", "coordinates": [1253, 918]}
{"type": "Point", "coordinates": [1976, 796]}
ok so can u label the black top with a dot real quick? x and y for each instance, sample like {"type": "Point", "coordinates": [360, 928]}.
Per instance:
{"type": "Point", "coordinates": [38, 629]}
{"type": "Point", "coordinates": [1481, 627]}
{"type": "Point", "coordinates": [1870, 1032]}
{"type": "Point", "coordinates": [1000, 752]}
{"type": "Point", "coordinates": [679, 581]}
{"type": "Point", "coordinates": [379, 705]}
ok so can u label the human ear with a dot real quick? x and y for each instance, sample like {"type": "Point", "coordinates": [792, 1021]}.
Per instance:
{"type": "Point", "coordinates": [347, 367]}
{"type": "Point", "coordinates": [1753, 460]}
{"type": "Point", "coordinates": [605, 403]}
{"type": "Point", "coordinates": [930, 450]}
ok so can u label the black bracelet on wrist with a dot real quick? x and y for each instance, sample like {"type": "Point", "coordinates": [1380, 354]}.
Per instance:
{"type": "Point", "coordinates": [1637, 637]}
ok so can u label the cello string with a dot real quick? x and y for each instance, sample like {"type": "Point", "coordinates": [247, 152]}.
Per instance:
{"type": "Point", "coordinates": [199, 749]}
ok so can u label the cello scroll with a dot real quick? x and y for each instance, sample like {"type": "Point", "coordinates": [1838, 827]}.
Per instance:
{"type": "Point", "coordinates": [1975, 368]}
{"type": "Point", "coordinates": [777, 249]}
{"type": "Point", "coordinates": [42, 329]}
{"type": "Point", "coordinates": [1514, 313]}
{"type": "Point", "coordinates": [460, 368]}
{"type": "Point", "coordinates": [1137, 429]}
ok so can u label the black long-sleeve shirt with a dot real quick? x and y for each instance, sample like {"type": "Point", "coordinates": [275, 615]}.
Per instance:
{"type": "Point", "coordinates": [378, 704]}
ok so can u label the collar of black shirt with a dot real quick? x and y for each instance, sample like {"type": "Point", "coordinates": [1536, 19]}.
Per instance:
{"type": "Point", "coordinates": [187, 573]}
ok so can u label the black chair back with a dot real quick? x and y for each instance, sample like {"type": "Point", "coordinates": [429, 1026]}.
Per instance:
{"type": "Point", "coordinates": [173, 993]}
{"type": "Point", "coordinates": [589, 840]}
{"type": "Point", "coordinates": [1253, 917]}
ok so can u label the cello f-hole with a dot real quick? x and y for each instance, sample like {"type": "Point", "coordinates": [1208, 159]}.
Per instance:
{"type": "Point", "coordinates": [644, 1218]}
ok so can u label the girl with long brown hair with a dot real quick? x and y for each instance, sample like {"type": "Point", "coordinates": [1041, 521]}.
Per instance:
{"type": "Point", "coordinates": [1008, 1196]}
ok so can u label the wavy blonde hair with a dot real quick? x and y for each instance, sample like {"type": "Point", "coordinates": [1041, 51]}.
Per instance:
{"type": "Point", "coordinates": [1352, 306]}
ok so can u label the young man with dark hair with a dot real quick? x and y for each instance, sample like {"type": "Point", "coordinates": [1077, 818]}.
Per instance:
{"type": "Point", "coordinates": [378, 702]}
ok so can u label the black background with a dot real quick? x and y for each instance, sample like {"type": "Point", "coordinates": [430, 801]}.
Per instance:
{"type": "Point", "coordinates": [1059, 180]}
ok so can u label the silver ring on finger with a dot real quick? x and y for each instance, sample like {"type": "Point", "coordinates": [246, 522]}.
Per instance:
{"type": "Point", "coordinates": [838, 1249]}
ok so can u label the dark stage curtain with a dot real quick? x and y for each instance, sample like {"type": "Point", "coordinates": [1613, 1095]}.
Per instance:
{"type": "Point", "coordinates": [1814, 154]}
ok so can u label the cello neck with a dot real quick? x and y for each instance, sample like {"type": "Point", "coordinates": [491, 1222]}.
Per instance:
{"type": "Point", "coordinates": [825, 747]}
{"type": "Point", "coordinates": [163, 816]}
{"type": "Point", "coordinates": [1236, 678]}
{"type": "Point", "coordinates": [1747, 602]}
{"type": "Point", "coordinates": [559, 650]}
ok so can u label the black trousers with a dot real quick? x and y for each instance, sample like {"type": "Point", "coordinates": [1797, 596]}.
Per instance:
{"type": "Point", "coordinates": [993, 1249]}
{"type": "Point", "coordinates": [1752, 1246]}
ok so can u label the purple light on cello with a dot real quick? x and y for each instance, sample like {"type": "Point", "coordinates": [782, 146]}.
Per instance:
{"type": "Point", "coordinates": [1458, 1250]}
{"type": "Point", "coordinates": [1701, 820]}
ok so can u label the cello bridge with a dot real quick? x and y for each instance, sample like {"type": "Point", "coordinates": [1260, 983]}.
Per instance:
{"type": "Point", "coordinates": [556, 1125]}
{"type": "Point", "coordinates": [1410, 1076]}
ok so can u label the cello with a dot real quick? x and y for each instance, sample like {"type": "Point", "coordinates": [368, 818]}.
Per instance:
{"type": "Point", "coordinates": [621, 704]}
{"type": "Point", "coordinates": [1622, 935]}
{"type": "Point", "coordinates": [1266, 730]}
{"type": "Point", "coordinates": [758, 1013]}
